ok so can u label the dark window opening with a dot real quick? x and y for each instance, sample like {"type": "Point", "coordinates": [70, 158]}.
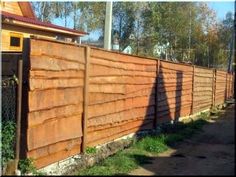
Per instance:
{"type": "Point", "coordinates": [15, 41]}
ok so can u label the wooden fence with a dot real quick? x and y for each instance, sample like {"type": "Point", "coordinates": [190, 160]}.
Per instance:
{"type": "Point", "coordinates": [80, 96]}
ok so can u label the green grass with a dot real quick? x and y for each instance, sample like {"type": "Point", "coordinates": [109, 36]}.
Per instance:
{"type": "Point", "coordinates": [151, 144]}
{"type": "Point", "coordinates": [91, 150]}
{"type": "Point", "coordinates": [121, 162]}
{"type": "Point", "coordinates": [141, 151]}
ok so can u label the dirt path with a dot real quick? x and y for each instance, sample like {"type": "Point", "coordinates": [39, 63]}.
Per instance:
{"type": "Point", "coordinates": [211, 152]}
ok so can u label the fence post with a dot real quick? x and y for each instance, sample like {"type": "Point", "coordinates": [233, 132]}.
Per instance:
{"type": "Point", "coordinates": [156, 95]}
{"type": "Point", "coordinates": [192, 107]}
{"type": "Point", "coordinates": [226, 86]}
{"type": "Point", "coordinates": [85, 97]}
{"type": "Point", "coordinates": [213, 87]}
{"type": "Point", "coordinates": [233, 85]}
{"type": "Point", "coordinates": [18, 114]}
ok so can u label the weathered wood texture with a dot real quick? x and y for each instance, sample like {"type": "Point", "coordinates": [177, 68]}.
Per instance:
{"type": "Point", "coordinates": [203, 89]}
{"type": "Point", "coordinates": [11, 7]}
{"type": "Point", "coordinates": [56, 83]}
{"type": "Point", "coordinates": [229, 86]}
{"type": "Point", "coordinates": [174, 91]}
{"type": "Point", "coordinates": [121, 95]}
{"type": "Point", "coordinates": [220, 87]}
{"type": "Point", "coordinates": [232, 85]}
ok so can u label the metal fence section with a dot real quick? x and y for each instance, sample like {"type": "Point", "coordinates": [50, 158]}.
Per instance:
{"type": "Point", "coordinates": [9, 87]}
{"type": "Point", "coordinates": [10, 108]}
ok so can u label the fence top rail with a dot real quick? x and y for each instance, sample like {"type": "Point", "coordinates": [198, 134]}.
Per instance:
{"type": "Point", "coordinates": [219, 70]}
{"type": "Point", "coordinates": [203, 67]}
{"type": "Point", "coordinates": [56, 41]}
{"type": "Point", "coordinates": [120, 53]}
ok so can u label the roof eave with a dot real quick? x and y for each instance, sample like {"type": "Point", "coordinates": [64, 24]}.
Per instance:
{"type": "Point", "coordinates": [42, 28]}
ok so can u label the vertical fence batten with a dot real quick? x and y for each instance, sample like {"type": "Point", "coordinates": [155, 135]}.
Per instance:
{"type": "Point", "coordinates": [85, 103]}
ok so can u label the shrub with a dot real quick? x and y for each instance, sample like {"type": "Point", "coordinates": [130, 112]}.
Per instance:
{"type": "Point", "coordinates": [8, 136]}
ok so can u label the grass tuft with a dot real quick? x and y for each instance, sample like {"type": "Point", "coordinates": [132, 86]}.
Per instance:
{"type": "Point", "coordinates": [91, 150]}
{"type": "Point", "coordinates": [152, 144]}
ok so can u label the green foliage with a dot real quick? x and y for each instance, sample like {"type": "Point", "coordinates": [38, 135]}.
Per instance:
{"type": "Point", "coordinates": [117, 164]}
{"type": "Point", "coordinates": [8, 134]}
{"type": "Point", "coordinates": [91, 150]}
{"type": "Point", "coordinates": [27, 166]}
{"type": "Point", "coordinates": [204, 115]}
{"type": "Point", "coordinates": [171, 139]}
{"type": "Point", "coordinates": [152, 144]}
{"type": "Point", "coordinates": [191, 28]}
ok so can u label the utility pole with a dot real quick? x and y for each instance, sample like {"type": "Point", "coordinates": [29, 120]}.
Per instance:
{"type": "Point", "coordinates": [108, 26]}
{"type": "Point", "coordinates": [231, 54]}
{"type": "Point", "coordinates": [138, 39]}
{"type": "Point", "coordinates": [189, 35]}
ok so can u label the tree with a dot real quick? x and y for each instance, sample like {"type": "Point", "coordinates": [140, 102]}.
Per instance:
{"type": "Point", "coordinates": [43, 11]}
{"type": "Point", "coordinates": [190, 28]}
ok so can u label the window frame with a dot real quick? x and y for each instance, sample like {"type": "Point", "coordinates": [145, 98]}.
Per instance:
{"type": "Point", "coordinates": [16, 35]}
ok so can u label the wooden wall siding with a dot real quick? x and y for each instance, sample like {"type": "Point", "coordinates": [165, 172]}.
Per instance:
{"type": "Point", "coordinates": [229, 85]}
{"type": "Point", "coordinates": [220, 88]}
{"type": "Point", "coordinates": [121, 95]}
{"type": "Point", "coordinates": [232, 85]}
{"type": "Point", "coordinates": [56, 80]}
{"type": "Point", "coordinates": [203, 89]}
{"type": "Point", "coordinates": [174, 91]}
{"type": "Point", "coordinates": [11, 7]}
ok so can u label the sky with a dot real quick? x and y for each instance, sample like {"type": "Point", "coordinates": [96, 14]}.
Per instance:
{"type": "Point", "coordinates": [221, 8]}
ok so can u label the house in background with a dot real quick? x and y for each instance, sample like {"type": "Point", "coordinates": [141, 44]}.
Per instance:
{"type": "Point", "coordinates": [19, 21]}
{"type": "Point", "coordinates": [128, 49]}
{"type": "Point", "coordinates": [160, 50]}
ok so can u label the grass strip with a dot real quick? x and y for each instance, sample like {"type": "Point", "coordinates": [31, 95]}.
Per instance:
{"type": "Point", "coordinates": [141, 151]}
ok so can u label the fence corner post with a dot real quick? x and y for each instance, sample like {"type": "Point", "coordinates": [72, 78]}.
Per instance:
{"type": "Point", "coordinates": [85, 98]}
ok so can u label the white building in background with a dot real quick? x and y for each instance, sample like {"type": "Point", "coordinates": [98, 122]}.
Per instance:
{"type": "Point", "coordinates": [115, 45]}
{"type": "Point", "coordinates": [160, 50]}
{"type": "Point", "coordinates": [128, 50]}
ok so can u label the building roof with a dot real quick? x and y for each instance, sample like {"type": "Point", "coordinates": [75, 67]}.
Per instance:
{"type": "Point", "coordinates": [38, 24]}
{"type": "Point", "coordinates": [27, 10]}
